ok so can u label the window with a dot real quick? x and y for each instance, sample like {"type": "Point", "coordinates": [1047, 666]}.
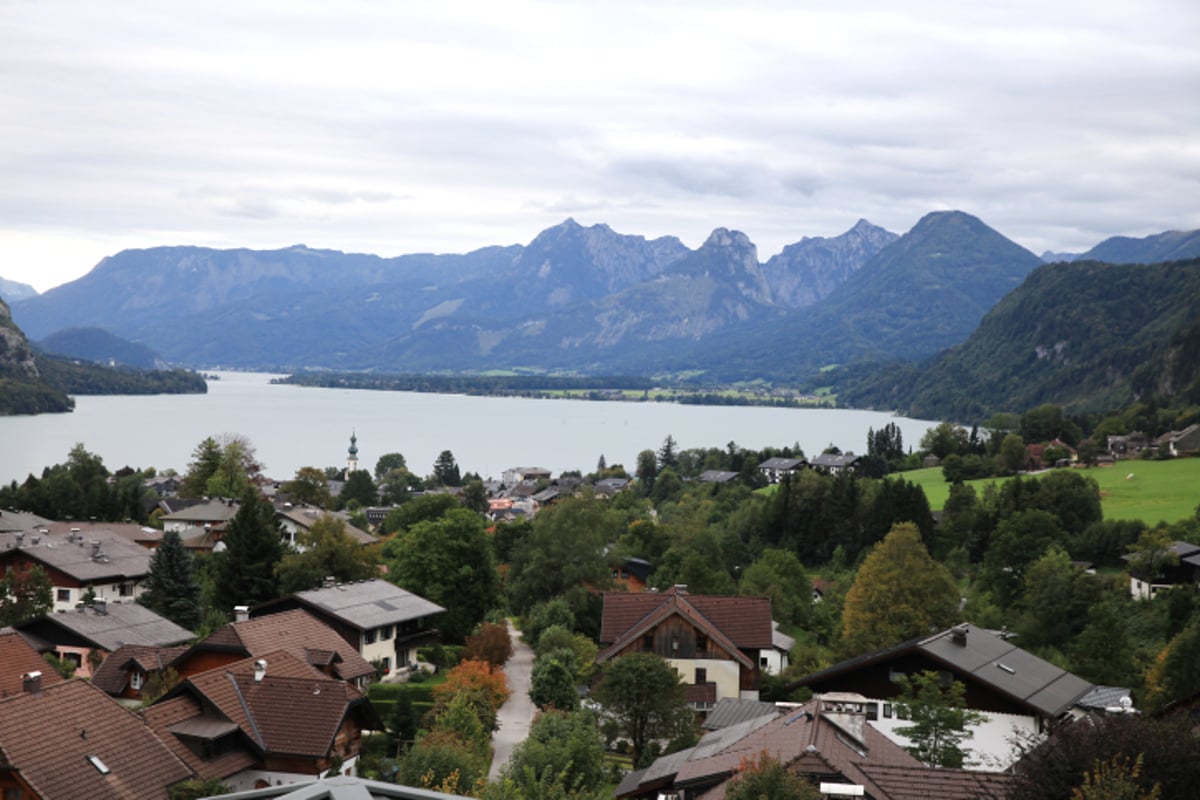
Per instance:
{"type": "Point", "coordinates": [385, 664]}
{"type": "Point", "coordinates": [895, 675]}
{"type": "Point", "coordinates": [701, 676]}
{"type": "Point", "coordinates": [701, 643]}
{"type": "Point", "coordinates": [887, 710]}
{"type": "Point", "coordinates": [385, 632]}
{"type": "Point", "coordinates": [135, 680]}
{"type": "Point", "coordinates": [369, 636]}
{"type": "Point", "coordinates": [12, 794]}
{"type": "Point", "coordinates": [872, 711]}
{"type": "Point", "coordinates": [126, 589]}
{"type": "Point", "coordinates": [64, 595]}
{"type": "Point", "coordinates": [648, 642]}
{"type": "Point", "coordinates": [762, 661]}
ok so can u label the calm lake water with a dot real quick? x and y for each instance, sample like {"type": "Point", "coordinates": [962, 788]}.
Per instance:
{"type": "Point", "coordinates": [293, 426]}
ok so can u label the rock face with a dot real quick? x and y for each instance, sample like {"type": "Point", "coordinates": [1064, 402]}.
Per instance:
{"type": "Point", "coordinates": [16, 359]}
{"type": "Point", "coordinates": [808, 271]}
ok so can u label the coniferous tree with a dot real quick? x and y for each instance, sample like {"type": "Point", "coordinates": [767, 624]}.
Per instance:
{"type": "Point", "coordinates": [245, 571]}
{"type": "Point", "coordinates": [171, 587]}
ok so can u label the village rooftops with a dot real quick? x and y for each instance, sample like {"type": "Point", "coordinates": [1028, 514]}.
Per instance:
{"type": "Point", "coordinates": [363, 604]}
{"type": "Point", "coordinates": [18, 661]}
{"type": "Point", "coordinates": [94, 556]}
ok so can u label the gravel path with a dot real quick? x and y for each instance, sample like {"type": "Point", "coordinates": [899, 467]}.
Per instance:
{"type": "Point", "coordinates": [516, 715]}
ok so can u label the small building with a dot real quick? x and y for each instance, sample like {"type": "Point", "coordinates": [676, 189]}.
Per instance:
{"type": "Point", "coordinates": [716, 476]}
{"type": "Point", "coordinates": [84, 637]}
{"type": "Point", "coordinates": [131, 669]}
{"type": "Point", "coordinates": [108, 565]}
{"type": "Point", "coordinates": [716, 643]}
{"type": "Point", "coordinates": [776, 468]}
{"type": "Point", "coordinates": [632, 574]}
{"type": "Point", "coordinates": [1185, 570]}
{"type": "Point", "coordinates": [518, 475]}
{"type": "Point", "coordinates": [296, 519]}
{"type": "Point", "coordinates": [835, 463]}
{"type": "Point", "coordinates": [210, 515]}
{"type": "Point", "coordinates": [382, 622]}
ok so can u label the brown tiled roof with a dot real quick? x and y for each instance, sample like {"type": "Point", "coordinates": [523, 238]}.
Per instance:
{"type": "Point", "coordinates": [17, 658]}
{"type": "Point", "coordinates": [806, 741]}
{"type": "Point", "coordinates": [298, 632]}
{"type": "Point", "coordinates": [113, 674]}
{"type": "Point", "coordinates": [162, 715]}
{"type": "Point", "coordinates": [746, 621]}
{"type": "Point", "coordinates": [49, 737]}
{"type": "Point", "coordinates": [923, 783]}
{"type": "Point", "coordinates": [293, 710]}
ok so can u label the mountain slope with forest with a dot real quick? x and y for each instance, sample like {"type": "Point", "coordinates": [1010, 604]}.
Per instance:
{"type": "Point", "coordinates": [1085, 335]}
{"type": "Point", "coordinates": [22, 388]}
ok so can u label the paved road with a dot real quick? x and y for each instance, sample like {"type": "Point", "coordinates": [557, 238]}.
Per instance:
{"type": "Point", "coordinates": [516, 715]}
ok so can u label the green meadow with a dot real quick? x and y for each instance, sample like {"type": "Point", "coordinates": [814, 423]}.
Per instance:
{"type": "Point", "coordinates": [1151, 491]}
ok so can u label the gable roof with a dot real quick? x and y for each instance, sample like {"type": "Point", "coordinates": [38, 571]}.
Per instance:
{"type": "Point", "coordinates": [365, 604]}
{"type": "Point", "coordinates": [340, 787]}
{"type": "Point", "coordinates": [305, 517]}
{"type": "Point", "coordinates": [211, 511]}
{"type": "Point", "coordinates": [168, 713]}
{"type": "Point", "coordinates": [978, 655]}
{"type": "Point", "coordinates": [267, 710]}
{"type": "Point", "coordinates": [779, 462]}
{"type": "Point", "coordinates": [18, 658]}
{"type": "Point", "coordinates": [835, 460]}
{"type": "Point", "coordinates": [119, 624]}
{"type": "Point", "coordinates": [113, 674]}
{"type": "Point", "coordinates": [746, 621]}
{"type": "Point", "coordinates": [49, 738]}
{"type": "Point", "coordinates": [297, 631]}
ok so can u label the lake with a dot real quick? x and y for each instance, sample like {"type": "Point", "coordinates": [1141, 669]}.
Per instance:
{"type": "Point", "coordinates": [295, 426]}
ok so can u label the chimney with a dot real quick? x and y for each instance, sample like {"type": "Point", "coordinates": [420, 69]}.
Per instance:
{"type": "Point", "coordinates": [330, 581]}
{"type": "Point", "coordinates": [847, 711]}
{"type": "Point", "coordinates": [100, 606]}
{"type": "Point", "coordinates": [241, 613]}
{"type": "Point", "coordinates": [95, 543]}
{"type": "Point", "coordinates": [34, 539]}
{"type": "Point", "coordinates": [959, 635]}
{"type": "Point", "coordinates": [31, 682]}
{"type": "Point", "coordinates": [20, 537]}
{"type": "Point", "coordinates": [260, 670]}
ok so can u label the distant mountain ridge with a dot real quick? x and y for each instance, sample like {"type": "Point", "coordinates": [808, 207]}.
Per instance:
{"type": "Point", "coordinates": [102, 347]}
{"type": "Point", "coordinates": [13, 291]}
{"type": "Point", "coordinates": [579, 300]}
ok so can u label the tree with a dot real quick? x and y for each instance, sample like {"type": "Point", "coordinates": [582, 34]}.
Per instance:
{"type": "Point", "coordinates": [475, 497]}
{"type": "Point", "coordinates": [779, 575]}
{"type": "Point", "coordinates": [1055, 601]}
{"type": "Point", "coordinates": [172, 589]}
{"type": "Point", "coordinates": [553, 681]}
{"type": "Point", "coordinates": [425, 507]}
{"type": "Point", "coordinates": [945, 438]}
{"type": "Point", "coordinates": [899, 592]}
{"type": "Point", "coordinates": [448, 561]}
{"type": "Point", "coordinates": [308, 486]}
{"type": "Point", "coordinates": [1174, 675]}
{"type": "Point", "coordinates": [668, 454]}
{"type": "Point", "coordinates": [326, 551]}
{"type": "Point", "coordinates": [359, 488]}
{"type": "Point", "coordinates": [490, 643]}
{"type": "Point", "coordinates": [388, 462]}
{"type": "Point", "coordinates": [766, 777]}
{"type": "Point", "coordinates": [940, 718]}
{"type": "Point", "coordinates": [196, 789]}
{"type": "Point", "coordinates": [643, 696]}
{"type": "Point", "coordinates": [245, 569]}
{"type": "Point", "coordinates": [1115, 779]}
{"type": "Point", "coordinates": [566, 549]}
{"type": "Point", "coordinates": [563, 753]}
{"type": "Point", "coordinates": [445, 469]}
{"type": "Point", "coordinates": [205, 460]}
{"type": "Point", "coordinates": [478, 676]}
{"type": "Point", "coordinates": [647, 470]}
{"type": "Point", "coordinates": [1019, 540]}
{"type": "Point", "coordinates": [1012, 453]}
{"type": "Point", "coordinates": [24, 595]}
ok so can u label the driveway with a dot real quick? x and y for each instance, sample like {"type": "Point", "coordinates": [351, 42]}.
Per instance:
{"type": "Point", "coordinates": [516, 715]}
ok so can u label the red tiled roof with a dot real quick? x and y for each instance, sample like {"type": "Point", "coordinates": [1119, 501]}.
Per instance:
{"type": "Point", "coordinates": [298, 632]}
{"type": "Point", "coordinates": [17, 658]}
{"type": "Point", "coordinates": [49, 737]}
{"type": "Point", "coordinates": [923, 783]}
{"type": "Point", "coordinates": [162, 715]}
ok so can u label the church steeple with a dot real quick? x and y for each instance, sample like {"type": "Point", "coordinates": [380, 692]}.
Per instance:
{"type": "Point", "coordinates": [352, 454]}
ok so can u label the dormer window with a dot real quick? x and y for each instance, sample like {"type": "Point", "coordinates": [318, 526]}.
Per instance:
{"type": "Point", "coordinates": [135, 680]}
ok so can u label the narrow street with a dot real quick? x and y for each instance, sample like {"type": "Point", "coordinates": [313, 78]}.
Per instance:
{"type": "Point", "coordinates": [516, 715]}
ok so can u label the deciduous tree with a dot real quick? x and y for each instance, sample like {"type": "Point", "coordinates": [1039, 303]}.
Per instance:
{"type": "Point", "coordinates": [24, 595]}
{"type": "Point", "coordinates": [326, 551]}
{"type": "Point", "coordinates": [940, 718]}
{"type": "Point", "coordinates": [765, 777]}
{"type": "Point", "coordinates": [643, 696]}
{"type": "Point", "coordinates": [779, 575]}
{"type": "Point", "coordinates": [899, 592]}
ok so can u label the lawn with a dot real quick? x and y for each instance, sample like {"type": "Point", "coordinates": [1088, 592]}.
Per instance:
{"type": "Point", "coordinates": [1147, 490]}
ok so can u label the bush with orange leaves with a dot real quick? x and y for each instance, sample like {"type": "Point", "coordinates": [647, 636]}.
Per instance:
{"type": "Point", "coordinates": [484, 686]}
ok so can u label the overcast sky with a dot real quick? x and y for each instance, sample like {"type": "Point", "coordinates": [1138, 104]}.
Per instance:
{"type": "Point", "coordinates": [397, 127]}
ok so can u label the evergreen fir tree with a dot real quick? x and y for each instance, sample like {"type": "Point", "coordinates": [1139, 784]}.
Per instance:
{"type": "Point", "coordinates": [245, 572]}
{"type": "Point", "coordinates": [171, 587]}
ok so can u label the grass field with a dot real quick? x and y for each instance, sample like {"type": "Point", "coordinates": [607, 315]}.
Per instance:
{"type": "Point", "coordinates": [1157, 490]}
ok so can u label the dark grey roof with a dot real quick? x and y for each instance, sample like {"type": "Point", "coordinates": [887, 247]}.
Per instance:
{"type": "Point", "coordinates": [778, 462]}
{"type": "Point", "coordinates": [340, 787]}
{"type": "Point", "coordinates": [11, 520]}
{"type": "Point", "coordinates": [118, 559]}
{"type": "Point", "coordinates": [630, 782]}
{"type": "Point", "coordinates": [731, 710]}
{"type": "Point", "coordinates": [370, 603]}
{"type": "Point", "coordinates": [209, 511]}
{"type": "Point", "coordinates": [835, 461]}
{"type": "Point", "coordinates": [716, 476]}
{"type": "Point", "coordinates": [121, 623]}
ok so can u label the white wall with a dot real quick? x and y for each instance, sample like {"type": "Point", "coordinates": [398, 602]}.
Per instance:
{"type": "Point", "coordinates": [993, 745]}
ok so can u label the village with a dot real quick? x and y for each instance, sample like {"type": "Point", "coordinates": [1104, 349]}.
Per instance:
{"type": "Point", "coordinates": [574, 636]}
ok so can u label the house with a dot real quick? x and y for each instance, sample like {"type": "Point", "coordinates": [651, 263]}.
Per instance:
{"type": "Point", "coordinates": [72, 740]}
{"type": "Point", "coordinates": [12, 521]}
{"type": "Point", "coordinates": [1185, 570]}
{"type": "Point", "coordinates": [127, 671]}
{"type": "Point", "coordinates": [1020, 696]}
{"type": "Point", "coordinates": [263, 721]}
{"type": "Point", "coordinates": [207, 515]}
{"type": "Point", "coordinates": [294, 519]}
{"type": "Point", "coordinates": [1179, 443]}
{"type": "Point", "coordinates": [632, 575]}
{"type": "Point", "coordinates": [716, 476]}
{"type": "Point", "coordinates": [834, 463]}
{"type": "Point", "coordinates": [827, 741]}
{"type": "Point", "coordinates": [718, 644]}
{"type": "Point", "coordinates": [607, 487]}
{"type": "Point", "coordinates": [297, 631]}
{"type": "Point", "coordinates": [22, 667]}
{"type": "Point", "coordinates": [1126, 445]}
{"type": "Point", "coordinates": [774, 469]}
{"type": "Point", "coordinates": [86, 635]}
{"type": "Point", "coordinates": [775, 660]}
{"type": "Point", "coordinates": [382, 622]}
{"type": "Point", "coordinates": [108, 565]}
{"type": "Point", "coordinates": [514, 476]}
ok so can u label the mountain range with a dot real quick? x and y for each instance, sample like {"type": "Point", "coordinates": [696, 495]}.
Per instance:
{"type": "Point", "coordinates": [575, 300]}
